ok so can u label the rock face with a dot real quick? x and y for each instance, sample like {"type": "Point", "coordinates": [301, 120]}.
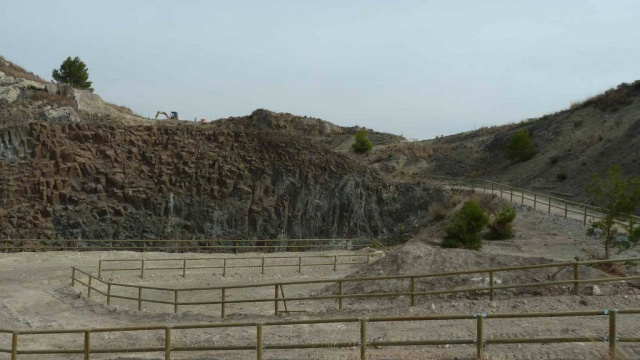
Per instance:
{"type": "Point", "coordinates": [182, 180]}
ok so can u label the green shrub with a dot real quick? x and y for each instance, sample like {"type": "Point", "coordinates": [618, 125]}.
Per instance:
{"type": "Point", "coordinates": [501, 228]}
{"type": "Point", "coordinates": [464, 230]}
{"type": "Point", "coordinates": [361, 143]}
{"type": "Point", "coordinates": [520, 147]}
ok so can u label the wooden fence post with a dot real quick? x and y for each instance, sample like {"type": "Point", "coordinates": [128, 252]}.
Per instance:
{"type": "Point", "coordinates": [491, 291]}
{"type": "Point", "coordinates": [535, 200]}
{"type": "Point", "coordinates": [89, 287]}
{"type": "Point", "coordinates": [576, 277]}
{"type": "Point", "coordinates": [184, 268]}
{"type": "Point", "coordinates": [585, 216]}
{"type": "Point", "coordinates": [224, 267]}
{"type": "Point", "coordinates": [413, 290]}
{"type": "Point", "coordinates": [299, 264]}
{"type": "Point", "coordinates": [108, 293]}
{"type": "Point", "coordinates": [99, 269]}
{"type": "Point", "coordinates": [549, 211]}
{"type": "Point", "coordinates": [511, 196]}
{"type": "Point", "coordinates": [263, 265]}
{"type": "Point", "coordinates": [223, 296]}
{"type": "Point", "coordinates": [368, 259]}
{"type": "Point", "coordinates": [363, 339]}
{"type": "Point", "coordinates": [73, 276]}
{"type": "Point", "coordinates": [87, 344]}
{"type": "Point", "coordinates": [167, 343]}
{"type": "Point", "coordinates": [480, 337]}
{"type": "Point", "coordinates": [566, 209]}
{"type": "Point", "coordinates": [14, 346]}
{"type": "Point", "coordinates": [522, 197]}
{"type": "Point", "coordinates": [139, 298]}
{"type": "Point", "coordinates": [275, 301]}
{"type": "Point", "coordinates": [175, 301]}
{"type": "Point", "coordinates": [613, 340]}
{"type": "Point", "coordinates": [142, 269]}
{"type": "Point", "coordinates": [259, 341]}
{"type": "Point", "coordinates": [335, 263]}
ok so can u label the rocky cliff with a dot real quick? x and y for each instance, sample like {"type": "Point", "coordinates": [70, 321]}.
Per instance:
{"type": "Point", "coordinates": [188, 181]}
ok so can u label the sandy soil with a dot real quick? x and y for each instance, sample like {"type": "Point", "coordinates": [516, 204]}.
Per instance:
{"type": "Point", "coordinates": [35, 293]}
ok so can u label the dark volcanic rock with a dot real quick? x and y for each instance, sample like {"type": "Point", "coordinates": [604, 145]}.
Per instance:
{"type": "Point", "coordinates": [180, 180]}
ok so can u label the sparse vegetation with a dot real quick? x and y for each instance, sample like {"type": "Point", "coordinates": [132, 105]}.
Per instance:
{"type": "Point", "coordinates": [73, 72]}
{"type": "Point", "coordinates": [501, 227]}
{"type": "Point", "coordinates": [123, 109]}
{"type": "Point", "coordinates": [464, 230]}
{"type": "Point", "coordinates": [562, 176]}
{"type": "Point", "coordinates": [361, 143]}
{"type": "Point", "coordinates": [520, 147]}
{"type": "Point", "coordinates": [16, 71]}
{"type": "Point", "coordinates": [50, 98]}
{"type": "Point", "coordinates": [619, 196]}
{"type": "Point", "coordinates": [612, 100]}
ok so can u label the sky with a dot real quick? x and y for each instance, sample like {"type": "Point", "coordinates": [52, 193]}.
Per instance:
{"type": "Point", "coordinates": [416, 68]}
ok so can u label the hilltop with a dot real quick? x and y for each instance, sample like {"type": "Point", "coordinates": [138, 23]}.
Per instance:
{"type": "Point", "coordinates": [571, 146]}
{"type": "Point", "coordinates": [75, 167]}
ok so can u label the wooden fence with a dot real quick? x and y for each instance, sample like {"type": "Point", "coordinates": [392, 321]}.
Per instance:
{"type": "Point", "coordinates": [181, 245]}
{"type": "Point", "coordinates": [224, 263]}
{"type": "Point", "coordinates": [361, 344]}
{"type": "Point", "coordinates": [278, 299]}
{"type": "Point", "coordinates": [540, 201]}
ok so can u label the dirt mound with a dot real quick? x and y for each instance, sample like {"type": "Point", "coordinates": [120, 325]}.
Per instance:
{"type": "Point", "coordinates": [416, 257]}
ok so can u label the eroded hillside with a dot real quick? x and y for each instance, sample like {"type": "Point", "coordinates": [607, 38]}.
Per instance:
{"type": "Point", "coordinates": [571, 146]}
{"type": "Point", "coordinates": [100, 172]}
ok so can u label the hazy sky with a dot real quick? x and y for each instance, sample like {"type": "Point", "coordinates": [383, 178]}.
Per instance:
{"type": "Point", "coordinates": [417, 68]}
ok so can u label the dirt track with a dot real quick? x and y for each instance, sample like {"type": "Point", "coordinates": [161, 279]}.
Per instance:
{"type": "Point", "coordinates": [36, 294]}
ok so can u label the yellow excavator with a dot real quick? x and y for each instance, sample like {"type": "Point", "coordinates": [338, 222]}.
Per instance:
{"type": "Point", "coordinates": [173, 116]}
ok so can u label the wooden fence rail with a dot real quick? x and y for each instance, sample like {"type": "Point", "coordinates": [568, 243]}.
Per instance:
{"type": "Point", "coordinates": [279, 299]}
{"type": "Point", "coordinates": [224, 263]}
{"type": "Point", "coordinates": [182, 245]}
{"type": "Point", "coordinates": [480, 321]}
{"type": "Point", "coordinates": [579, 210]}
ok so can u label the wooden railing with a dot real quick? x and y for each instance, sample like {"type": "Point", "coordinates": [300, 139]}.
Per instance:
{"type": "Point", "coordinates": [540, 201]}
{"type": "Point", "coordinates": [361, 344]}
{"type": "Point", "coordinates": [181, 245]}
{"type": "Point", "coordinates": [224, 263]}
{"type": "Point", "coordinates": [107, 287]}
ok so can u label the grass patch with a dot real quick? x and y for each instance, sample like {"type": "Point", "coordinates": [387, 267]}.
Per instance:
{"type": "Point", "coordinates": [16, 71]}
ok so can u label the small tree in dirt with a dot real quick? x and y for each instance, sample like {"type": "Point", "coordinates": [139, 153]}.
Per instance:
{"type": "Point", "coordinates": [464, 230]}
{"type": "Point", "coordinates": [619, 196]}
{"type": "Point", "coordinates": [73, 72]}
{"type": "Point", "coordinates": [501, 227]}
{"type": "Point", "coordinates": [361, 143]}
{"type": "Point", "coordinates": [520, 147]}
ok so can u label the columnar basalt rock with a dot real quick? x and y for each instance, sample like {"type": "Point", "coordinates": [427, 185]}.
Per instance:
{"type": "Point", "coordinates": [90, 180]}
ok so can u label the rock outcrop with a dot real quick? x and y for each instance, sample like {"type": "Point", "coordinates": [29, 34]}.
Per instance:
{"type": "Point", "coordinates": [184, 180]}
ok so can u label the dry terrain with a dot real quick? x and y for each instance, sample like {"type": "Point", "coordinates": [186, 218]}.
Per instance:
{"type": "Point", "coordinates": [36, 294]}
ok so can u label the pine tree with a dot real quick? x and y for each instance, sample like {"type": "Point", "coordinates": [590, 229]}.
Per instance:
{"type": "Point", "coordinates": [73, 72]}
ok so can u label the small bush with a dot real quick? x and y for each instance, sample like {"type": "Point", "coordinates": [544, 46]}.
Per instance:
{"type": "Point", "coordinates": [464, 230]}
{"type": "Point", "coordinates": [501, 228]}
{"type": "Point", "coordinates": [562, 176]}
{"type": "Point", "coordinates": [520, 147]}
{"type": "Point", "coordinates": [439, 211]}
{"type": "Point", "coordinates": [361, 143]}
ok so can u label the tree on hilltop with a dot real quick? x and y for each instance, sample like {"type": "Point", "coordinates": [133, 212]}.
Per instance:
{"type": "Point", "coordinates": [73, 72]}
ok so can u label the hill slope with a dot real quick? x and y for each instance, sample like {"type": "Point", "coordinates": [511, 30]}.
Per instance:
{"type": "Point", "coordinates": [578, 142]}
{"type": "Point", "coordinates": [102, 172]}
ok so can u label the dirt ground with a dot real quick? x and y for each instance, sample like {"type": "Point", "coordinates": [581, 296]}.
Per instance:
{"type": "Point", "coordinates": [35, 293]}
